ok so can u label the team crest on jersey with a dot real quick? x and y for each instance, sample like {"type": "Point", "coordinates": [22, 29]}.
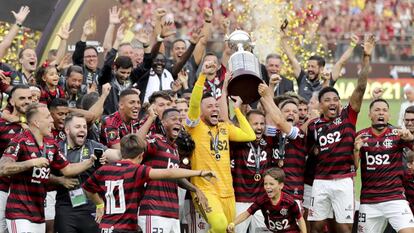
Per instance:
{"type": "Point", "coordinates": [262, 142]}
{"type": "Point", "coordinates": [394, 131]}
{"type": "Point", "coordinates": [284, 211]}
{"type": "Point", "coordinates": [62, 135]}
{"type": "Point", "coordinates": [11, 131]}
{"type": "Point", "coordinates": [50, 155]}
{"type": "Point", "coordinates": [223, 131]}
{"type": "Point", "coordinates": [337, 121]}
{"type": "Point", "coordinates": [111, 135]}
{"type": "Point", "coordinates": [387, 143]}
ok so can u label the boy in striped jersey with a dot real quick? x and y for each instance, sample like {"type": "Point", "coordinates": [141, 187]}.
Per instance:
{"type": "Point", "coordinates": [118, 188]}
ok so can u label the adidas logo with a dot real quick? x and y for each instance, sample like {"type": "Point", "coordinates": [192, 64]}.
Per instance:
{"type": "Point", "coordinates": [11, 131]}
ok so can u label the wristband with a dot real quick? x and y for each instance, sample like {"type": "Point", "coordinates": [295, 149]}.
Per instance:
{"type": "Point", "coordinates": [22, 119]}
{"type": "Point", "coordinates": [19, 25]}
{"type": "Point", "coordinates": [100, 206]}
{"type": "Point", "coordinates": [353, 45]}
{"type": "Point", "coordinates": [159, 38]}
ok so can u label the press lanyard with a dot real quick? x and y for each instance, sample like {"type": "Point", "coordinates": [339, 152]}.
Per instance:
{"type": "Point", "coordinates": [126, 128]}
{"type": "Point", "coordinates": [81, 154]}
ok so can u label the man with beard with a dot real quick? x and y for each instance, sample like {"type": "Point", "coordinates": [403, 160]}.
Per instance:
{"type": "Point", "coordinates": [27, 160]}
{"type": "Point", "coordinates": [73, 85]}
{"type": "Point", "coordinates": [87, 56]}
{"type": "Point", "coordinates": [20, 98]}
{"type": "Point", "coordinates": [118, 78]}
{"type": "Point", "coordinates": [380, 148]}
{"type": "Point", "coordinates": [216, 76]}
{"type": "Point", "coordinates": [212, 150]}
{"type": "Point", "coordinates": [250, 160]}
{"type": "Point", "coordinates": [330, 139]}
{"type": "Point", "coordinates": [179, 48]}
{"type": "Point", "coordinates": [122, 122]}
{"type": "Point", "coordinates": [310, 81]}
{"type": "Point", "coordinates": [162, 152]}
{"type": "Point", "coordinates": [73, 215]}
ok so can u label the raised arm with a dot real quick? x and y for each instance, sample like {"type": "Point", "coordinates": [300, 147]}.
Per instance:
{"type": "Point", "coordinates": [290, 54]}
{"type": "Point", "coordinates": [356, 97]}
{"type": "Point", "coordinates": [8, 39]}
{"type": "Point", "coordinates": [336, 69]}
{"type": "Point", "coordinates": [245, 133]}
{"type": "Point", "coordinates": [197, 94]}
{"type": "Point", "coordinates": [96, 110]}
{"type": "Point", "coordinates": [144, 129]}
{"type": "Point", "coordinates": [89, 28]}
{"type": "Point", "coordinates": [114, 19]}
{"type": "Point", "coordinates": [195, 38]}
{"type": "Point", "coordinates": [273, 111]}
{"type": "Point", "coordinates": [205, 31]}
{"type": "Point", "coordinates": [63, 34]}
{"type": "Point", "coordinates": [223, 103]}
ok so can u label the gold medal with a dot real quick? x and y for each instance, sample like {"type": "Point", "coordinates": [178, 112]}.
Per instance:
{"type": "Point", "coordinates": [186, 161]}
{"type": "Point", "coordinates": [257, 177]}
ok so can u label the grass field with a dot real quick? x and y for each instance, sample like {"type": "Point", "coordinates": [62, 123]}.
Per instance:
{"type": "Point", "coordinates": [364, 121]}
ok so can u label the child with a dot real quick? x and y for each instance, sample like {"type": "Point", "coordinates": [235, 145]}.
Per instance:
{"type": "Point", "coordinates": [47, 77]}
{"type": "Point", "coordinates": [409, 180]}
{"type": "Point", "coordinates": [281, 212]}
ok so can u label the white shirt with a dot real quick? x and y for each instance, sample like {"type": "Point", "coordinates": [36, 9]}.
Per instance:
{"type": "Point", "coordinates": [154, 83]}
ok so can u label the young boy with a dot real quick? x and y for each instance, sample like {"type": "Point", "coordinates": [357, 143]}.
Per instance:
{"type": "Point", "coordinates": [117, 188]}
{"type": "Point", "coordinates": [281, 212]}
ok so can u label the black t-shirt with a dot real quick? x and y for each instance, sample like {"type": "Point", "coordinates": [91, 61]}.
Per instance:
{"type": "Point", "coordinates": [75, 155]}
{"type": "Point", "coordinates": [307, 87]}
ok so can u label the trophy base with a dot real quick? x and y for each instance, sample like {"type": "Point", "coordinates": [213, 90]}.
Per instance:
{"type": "Point", "coordinates": [244, 84]}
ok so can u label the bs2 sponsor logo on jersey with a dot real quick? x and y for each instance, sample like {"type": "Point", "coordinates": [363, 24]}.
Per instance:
{"type": "Point", "coordinates": [330, 138]}
{"type": "Point", "coordinates": [39, 174]}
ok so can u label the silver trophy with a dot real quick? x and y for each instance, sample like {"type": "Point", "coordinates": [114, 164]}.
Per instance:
{"type": "Point", "coordinates": [245, 68]}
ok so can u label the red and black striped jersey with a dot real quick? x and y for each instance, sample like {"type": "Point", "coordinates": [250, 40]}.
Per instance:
{"type": "Point", "coordinates": [46, 96]}
{"type": "Point", "coordinates": [160, 198]}
{"type": "Point", "coordinates": [408, 183]}
{"type": "Point", "coordinates": [381, 166]}
{"type": "Point", "coordinates": [332, 141]}
{"type": "Point", "coordinates": [28, 188]}
{"type": "Point", "coordinates": [293, 163]}
{"type": "Point", "coordinates": [244, 170]}
{"type": "Point", "coordinates": [121, 186]}
{"type": "Point", "coordinates": [59, 135]}
{"type": "Point", "coordinates": [8, 130]}
{"type": "Point", "coordinates": [280, 217]}
{"type": "Point", "coordinates": [113, 129]}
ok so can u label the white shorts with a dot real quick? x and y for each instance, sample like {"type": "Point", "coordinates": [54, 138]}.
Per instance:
{"type": "Point", "coordinates": [23, 225]}
{"type": "Point", "coordinates": [332, 197]}
{"type": "Point", "coordinates": [254, 223]}
{"type": "Point", "coordinates": [196, 222]}
{"type": "Point", "coordinates": [373, 217]}
{"type": "Point", "coordinates": [156, 224]}
{"type": "Point", "coordinates": [307, 194]}
{"type": "Point", "coordinates": [3, 202]}
{"type": "Point", "coordinates": [50, 203]}
{"type": "Point", "coordinates": [181, 197]}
